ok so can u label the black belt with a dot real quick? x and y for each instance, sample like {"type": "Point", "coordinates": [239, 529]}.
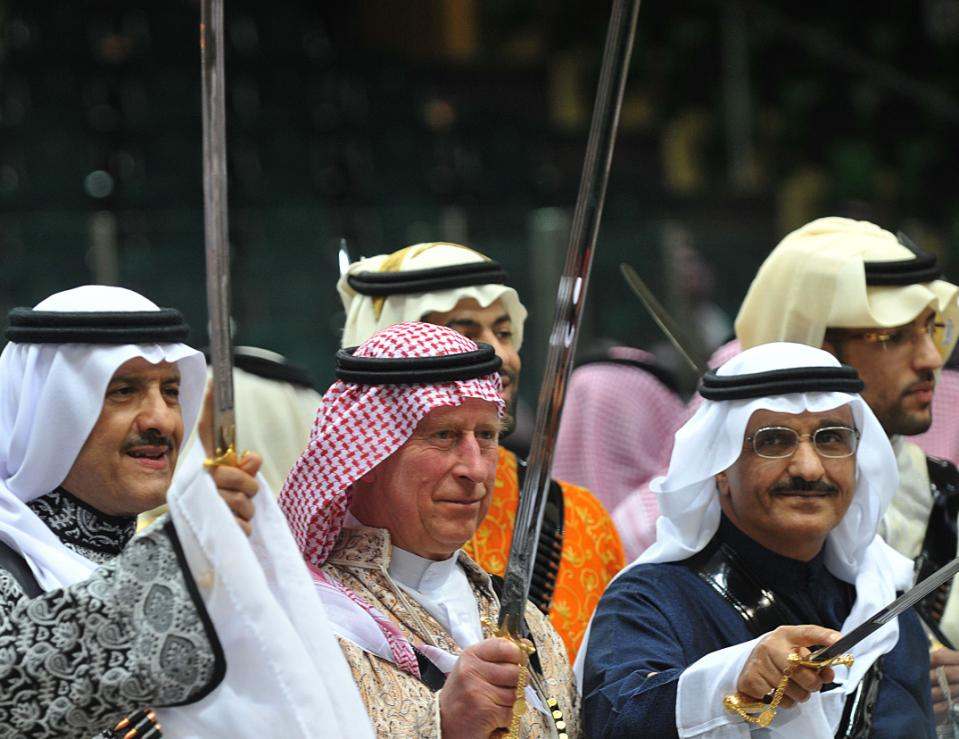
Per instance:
{"type": "Point", "coordinates": [939, 543]}
{"type": "Point", "coordinates": [549, 553]}
{"type": "Point", "coordinates": [720, 567]}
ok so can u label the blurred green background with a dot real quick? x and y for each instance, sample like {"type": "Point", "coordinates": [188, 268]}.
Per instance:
{"type": "Point", "coordinates": [390, 123]}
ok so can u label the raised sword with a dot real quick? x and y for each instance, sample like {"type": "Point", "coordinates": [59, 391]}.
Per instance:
{"type": "Point", "coordinates": [215, 229]}
{"type": "Point", "coordinates": [570, 300]}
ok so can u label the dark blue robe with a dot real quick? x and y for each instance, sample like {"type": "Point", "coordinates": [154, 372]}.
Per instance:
{"type": "Point", "coordinates": [662, 618]}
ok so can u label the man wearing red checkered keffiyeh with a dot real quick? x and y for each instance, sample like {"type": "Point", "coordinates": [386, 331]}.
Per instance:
{"type": "Point", "coordinates": [397, 476]}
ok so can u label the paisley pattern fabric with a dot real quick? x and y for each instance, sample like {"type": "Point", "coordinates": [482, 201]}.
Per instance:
{"type": "Point", "coordinates": [399, 704]}
{"type": "Point", "coordinates": [75, 661]}
{"type": "Point", "coordinates": [84, 529]}
{"type": "Point", "coordinates": [592, 552]}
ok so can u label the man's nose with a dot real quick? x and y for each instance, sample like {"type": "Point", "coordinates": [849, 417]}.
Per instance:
{"type": "Point", "coordinates": [471, 464]}
{"type": "Point", "coordinates": [156, 413]}
{"type": "Point", "coordinates": [805, 462]}
{"type": "Point", "coordinates": [927, 355]}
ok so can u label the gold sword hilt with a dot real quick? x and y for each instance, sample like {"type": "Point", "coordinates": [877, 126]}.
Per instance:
{"type": "Point", "coordinates": [229, 458]}
{"type": "Point", "coordinates": [526, 649]}
{"type": "Point", "coordinates": [761, 713]}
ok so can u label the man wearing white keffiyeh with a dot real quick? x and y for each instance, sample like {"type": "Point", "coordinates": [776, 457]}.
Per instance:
{"type": "Point", "coordinates": [96, 624]}
{"type": "Point", "coordinates": [766, 544]}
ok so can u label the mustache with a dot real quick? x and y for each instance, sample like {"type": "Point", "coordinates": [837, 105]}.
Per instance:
{"type": "Point", "coordinates": [925, 376]}
{"type": "Point", "coordinates": [150, 437]}
{"type": "Point", "coordinates": [801, 485]}
{"type": "Point", "coordinates": [513, 376]}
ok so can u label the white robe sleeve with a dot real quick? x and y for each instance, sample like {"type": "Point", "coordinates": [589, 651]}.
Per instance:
{"type": "Point", "coordinates": [703, 685]}
{"type": "Point", "coordinates": [286, 675]}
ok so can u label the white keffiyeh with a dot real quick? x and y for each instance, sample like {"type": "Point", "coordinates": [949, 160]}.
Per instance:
{"type": "Point", "coordinates": [50, 398]}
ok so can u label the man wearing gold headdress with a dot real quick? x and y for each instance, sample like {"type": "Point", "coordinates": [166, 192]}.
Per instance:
{"type": "Point", "coordinates": [876, 302]}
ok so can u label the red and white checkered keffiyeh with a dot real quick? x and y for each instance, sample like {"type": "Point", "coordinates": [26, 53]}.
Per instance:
{"type": "Point", "coordinates": [359, 426]}
{"type": "Point", "coordinates": [942, 438]}
{"type": "Point", "coordinates": [617, 428]}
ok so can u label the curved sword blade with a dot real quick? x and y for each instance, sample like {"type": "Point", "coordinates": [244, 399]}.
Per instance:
{"type": "Point", "coordinates": [903, 603]}
{"type": "Point", "coordinates": [570, 301]}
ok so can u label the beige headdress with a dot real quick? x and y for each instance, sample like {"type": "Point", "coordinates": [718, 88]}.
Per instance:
{"type": "Point", "coordinates": [841, 273]}
{"type": "Point", "coordinates": [434, 265]}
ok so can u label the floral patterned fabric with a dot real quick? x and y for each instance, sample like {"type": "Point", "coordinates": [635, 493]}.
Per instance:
{"type": "Point", "coordinates": [399, 704]}
{"type": "Point", "coordinates": [75, 661]}
{"type": "Point", "coordinates": [592, 552]}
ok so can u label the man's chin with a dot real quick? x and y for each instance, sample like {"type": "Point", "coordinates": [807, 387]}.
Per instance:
{"type": "Point", "coordinates": [146, 496]}
{"type": "Point", "coordinates": [912, 424]}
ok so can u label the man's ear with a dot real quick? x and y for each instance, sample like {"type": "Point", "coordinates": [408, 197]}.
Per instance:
{"type": "Point", "coordinates": [722, 483]}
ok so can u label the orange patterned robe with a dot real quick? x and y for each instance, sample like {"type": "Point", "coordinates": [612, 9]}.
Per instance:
{"type": "Point", "coordinates": [592, 552]}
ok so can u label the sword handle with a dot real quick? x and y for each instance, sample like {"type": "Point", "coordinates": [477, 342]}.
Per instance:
{"type": "Point", "coordinates": [228, 458]}
{"type": "Point", "coordinates": [761, 713]}
{"type": "Point", "coordinates": [526, 648]}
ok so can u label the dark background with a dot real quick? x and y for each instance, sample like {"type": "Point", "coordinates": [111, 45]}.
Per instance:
{"type": "Point", "coordinates": [390, 123]}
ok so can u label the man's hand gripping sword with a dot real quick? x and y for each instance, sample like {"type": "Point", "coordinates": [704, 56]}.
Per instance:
{"type": "Point", "coordinates": [762, 713]}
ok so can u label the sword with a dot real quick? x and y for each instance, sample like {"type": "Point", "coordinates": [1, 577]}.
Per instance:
{"type": "Point", "coordinates": [763, 712]}
{"type": "Point", "coordinates": [570, 300]}
{"type": "Point", "coordinates": [662, 318]}
{"type": "Point", "coordinates": [215, 229]}
{"type": "Point", "coordinates": [904, 602]}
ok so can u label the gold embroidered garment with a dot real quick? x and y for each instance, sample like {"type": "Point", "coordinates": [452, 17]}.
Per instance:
{"type": "Point", "coordinates": [399, 704]}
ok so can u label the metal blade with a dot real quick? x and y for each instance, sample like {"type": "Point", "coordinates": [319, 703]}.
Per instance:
{"type": "Point", "coordinates": [904, 602]}
{"type": "Point", "coordinates": [215, 222]}
{"type": "Point", "coordinates": [570, 300]}
{"type": "Point", "coordinates": [665, 322]}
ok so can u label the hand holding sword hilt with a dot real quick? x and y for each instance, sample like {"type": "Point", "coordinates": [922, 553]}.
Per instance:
{"type": "Point", "coordinates": [228, 458]}
{"type": "Point", "coordinates": [762, 713]}
{"type": "Point", "coordinates": [526, 649]}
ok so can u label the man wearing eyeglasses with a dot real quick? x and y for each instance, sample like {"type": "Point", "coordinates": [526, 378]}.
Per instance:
{"type": "Point", "coordinates": [875, 301]}
{"type": "Point", "coordinates": [766, 547]}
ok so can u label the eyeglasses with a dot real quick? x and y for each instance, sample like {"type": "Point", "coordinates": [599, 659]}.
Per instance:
{"type": "Point", "coordinates": [909, 335]}
{"type": "Point", "coordinates": [779, 442]}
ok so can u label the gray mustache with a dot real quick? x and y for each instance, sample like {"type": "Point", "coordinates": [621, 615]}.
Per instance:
{"type": "Point", "coordinates": [801, 485]}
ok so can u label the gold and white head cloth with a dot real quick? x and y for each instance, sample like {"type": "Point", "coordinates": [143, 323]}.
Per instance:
{"type": "Point", "coordinates": [410, 283]}
{"type": "Point", "coordinates": [841, 273]}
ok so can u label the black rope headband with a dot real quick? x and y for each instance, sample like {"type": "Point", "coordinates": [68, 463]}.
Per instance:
{"type": "Point", "coordinates": [271, 369]}
{"type": "Point", "coordinates": [28, 326]}
{"type": "Point", "coordinates": [843, 379]}
{"type": "Point", "coordinates": [415, 370]}
{"type": "Point", "coordinates": [923, 267]}
{"type": "Point", "coordinates": [379, 284]}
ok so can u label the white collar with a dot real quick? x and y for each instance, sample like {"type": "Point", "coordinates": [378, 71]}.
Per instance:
{"type": "Point", "coordinates": [419, 573]}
